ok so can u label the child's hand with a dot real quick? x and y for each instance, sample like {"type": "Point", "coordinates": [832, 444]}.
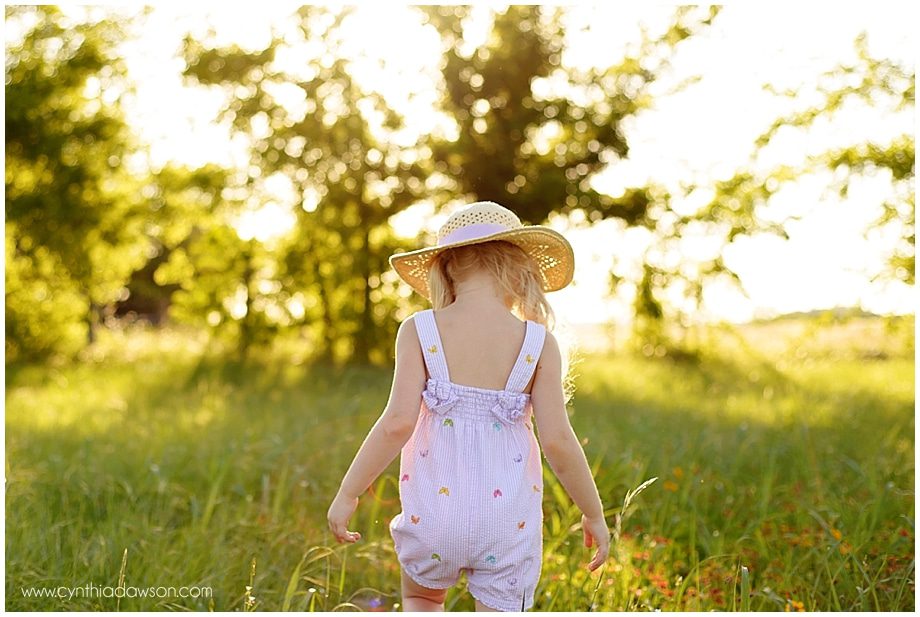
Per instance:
{"type": "Point", "coordinates": [338, 515]}
{"type": "Point", "coordinates": [596, 533]}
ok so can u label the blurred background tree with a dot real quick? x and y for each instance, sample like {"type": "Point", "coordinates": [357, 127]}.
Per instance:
{"type": "Point", "coordinates": [532, 132]}
{"type": "Point", "coordinates": [736, 207]}
{"type": "Point", "coordinates": [73, 212]}
{"type": "Point", "coordinates": [184, 204]}
{"type": "Point", "coordinates": [92, 231]}
{"type": "Point", "coordinates": [883, 85]}
{"type": "Point", "coordinates": [317, 132]}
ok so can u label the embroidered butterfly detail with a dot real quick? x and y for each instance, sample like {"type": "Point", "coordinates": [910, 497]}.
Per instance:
{"type": "Point", "coordinates": [436, 556]}
{"type": "Point", "coordinates": [433, 349]}
{"type": "Point", "coordinates": [536, 489]}
{"type": "Point", "coordinates": [529, 359]}
{"type": "Point", "coordinates": [424, 452]}
{"type": "Point", "coordinates": [414, 519]}
{"type": "Point", "coordinates": [518, 458]}
{"type": "Point", "coordinates": [521, 524]}
{"type": "Point", "coordinates": [444, 491]}
{"type": "Point", "coordinates": [512, 581]}
{"type": "Point", "coordinates": [491, 559]}
{"type": "Point", "coordinates": [497, 493]}
{"type": "Point", "coordinates": [448, 422]}
{"type": "Point", "coordinates": [497, 426]}
{"type": "Point", "coordinates": [405, 477]}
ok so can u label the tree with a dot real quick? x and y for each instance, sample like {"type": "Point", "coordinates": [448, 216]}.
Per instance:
{"type": "Point", "coordinates": [351, 176]}
{"type": "Point", "coordinates": [536, 148]}
{"type": "Point", "coordinates": [72, 209]}
{"type": "Point", "coordinates": [532, 133]}
{"type": "Point", "coordinates": [882, 84]}
{"type": "Point", "coordinates": [735, 208]}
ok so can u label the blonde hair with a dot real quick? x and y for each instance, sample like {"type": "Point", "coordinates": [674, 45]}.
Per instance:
{"type": "Point", "coordinates": [517, 278]}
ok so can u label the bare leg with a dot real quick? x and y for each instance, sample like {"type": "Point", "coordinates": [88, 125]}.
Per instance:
{"type": "Point", "coordinates": [418, 598]}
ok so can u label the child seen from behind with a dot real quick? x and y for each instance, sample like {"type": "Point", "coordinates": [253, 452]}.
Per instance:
{"type": "Point", "coordinates": [474, 376]}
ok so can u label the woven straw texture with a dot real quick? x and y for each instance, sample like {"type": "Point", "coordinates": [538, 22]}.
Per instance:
{"type": "Point", "coordinates": [547, 247]}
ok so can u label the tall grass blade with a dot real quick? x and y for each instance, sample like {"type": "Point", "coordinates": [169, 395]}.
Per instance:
{"type": "Point", "coordinates": [292, 585]}
{"type": "Point", "coordinates": [617, 528]}
{"type": "Point", "coordinates": [121, 577]}
{"type": "Point", "coordinates": [745, 589]}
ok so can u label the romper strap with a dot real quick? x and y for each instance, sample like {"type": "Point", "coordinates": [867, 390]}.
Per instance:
{"type": "Point", "coordinates": [432, 349]}
{"type": "Point", "coordinates": [527, 359]}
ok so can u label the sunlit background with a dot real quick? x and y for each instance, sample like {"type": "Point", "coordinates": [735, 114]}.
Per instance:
{"type": "Point", "coordinates": [697, 133]}
{"type": "Point", "coordinates": [697, 124]}
{"type": "Point", "coordinates": [200, 203]}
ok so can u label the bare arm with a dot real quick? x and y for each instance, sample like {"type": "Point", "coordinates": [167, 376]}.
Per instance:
{"type": "Point", "coordinates": [562, 449]}
{"type": "Point", "coordinates": [388, 435]}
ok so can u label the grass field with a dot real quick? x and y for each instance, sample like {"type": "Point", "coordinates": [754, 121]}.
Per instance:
{"type": "Point", "coordinates": [784, 464]}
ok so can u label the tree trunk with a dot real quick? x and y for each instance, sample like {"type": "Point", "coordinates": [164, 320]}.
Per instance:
{"type": "Point", "coordinates": [326, 352]}
{"type": "Point", "coordinates": [246, 323]}
{"type": "Point", "coordinates": [91, 323]}
{"type": "Point", "coordinates": [366, 328]}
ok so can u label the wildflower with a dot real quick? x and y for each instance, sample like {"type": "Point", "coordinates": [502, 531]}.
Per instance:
{"type": "Point", "coordinates": [670, 486]}
{"type": "Point", "coordinates": [678, 472]}
{"type": "Point", "coordinates": [836, 533]}
{"type": "Point", "coordinates": [795, 605]}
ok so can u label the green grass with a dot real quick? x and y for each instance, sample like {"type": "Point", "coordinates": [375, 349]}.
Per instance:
{"type": "Point", "coordinates": [785, 481]}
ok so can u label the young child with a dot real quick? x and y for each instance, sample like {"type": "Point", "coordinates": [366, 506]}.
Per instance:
{"type": "Point", "coordinates": [470, 476]}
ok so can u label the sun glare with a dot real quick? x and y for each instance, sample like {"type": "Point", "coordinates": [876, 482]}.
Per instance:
{"type": "Point", "coordinates": [701, 132]}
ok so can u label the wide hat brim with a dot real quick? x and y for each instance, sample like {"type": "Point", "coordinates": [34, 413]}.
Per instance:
{"type": "Point", "coordinates": [547, 247]}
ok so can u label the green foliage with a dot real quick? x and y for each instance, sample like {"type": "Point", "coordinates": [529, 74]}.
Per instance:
{"type": "Point", "coordinates": [795, 462]}
{"type": "Point", "coordinates": [84, 235]}
{"type": "Point", "coordinates": [879, 83]}
{"type": "Point", "coordinates": [535, 148]}
{"type": "Point", "coordinates": [45, 309]}
{"type": "Point", "coordinates": [183, 203]}
{"type": "Point", "coordinates": [72, 213]}
{"type": "Point", "coordinates": [352, 175]}
{"type": "Point", "coordinates": [536, 152]}
{"type": "Point", "coordinates": [735, 208]}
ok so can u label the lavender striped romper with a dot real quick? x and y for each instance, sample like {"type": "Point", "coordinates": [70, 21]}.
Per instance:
{"type": "Point", "coordinates": [471, 482]}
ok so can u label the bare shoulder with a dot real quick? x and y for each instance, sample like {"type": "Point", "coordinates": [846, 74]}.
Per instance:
{"type": "Point", "coordinates": [549, 365]}
{"type": "Point", "coordinates": [551, 353]}
{"type": "Point", "coordinates": [407, 334]}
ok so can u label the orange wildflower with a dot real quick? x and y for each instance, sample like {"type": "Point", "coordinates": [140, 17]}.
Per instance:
{"type": "Point", "coordinates": [795, 605]}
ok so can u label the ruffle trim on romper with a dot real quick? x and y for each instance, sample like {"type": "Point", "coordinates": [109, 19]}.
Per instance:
{"type": "Point", "coordinates": [441, 396]}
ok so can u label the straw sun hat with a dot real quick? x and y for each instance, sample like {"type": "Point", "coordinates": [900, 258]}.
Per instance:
{"type": "Point", "coordinates": [484, 221]}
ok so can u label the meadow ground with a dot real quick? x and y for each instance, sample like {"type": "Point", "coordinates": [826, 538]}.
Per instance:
{"type": "Point", "coordinates": [784, 460]}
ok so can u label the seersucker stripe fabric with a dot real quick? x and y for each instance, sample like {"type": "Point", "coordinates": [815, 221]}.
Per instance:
{"type": "Point", "coordinates": [431, 344]}
{"type": "Point", "coordinates": [527, 359]}
{"type": "Point", "coordinates": [471, 483]}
